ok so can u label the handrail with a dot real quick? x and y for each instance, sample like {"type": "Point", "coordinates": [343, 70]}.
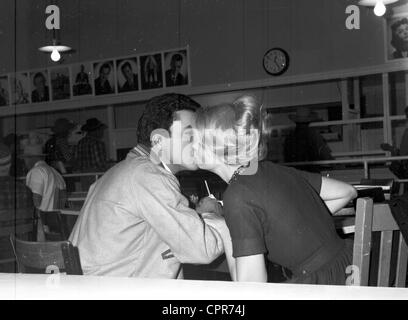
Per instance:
{"type": "Point", "coordinates": [361, 160]}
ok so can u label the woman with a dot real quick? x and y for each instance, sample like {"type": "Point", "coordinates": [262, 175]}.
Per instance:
{"type": "Point", "coordinates": [272, 212]}
{"type": "Point", "coordinates": [399, 39]}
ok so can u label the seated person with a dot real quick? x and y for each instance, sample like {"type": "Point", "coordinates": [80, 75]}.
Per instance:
{"type": "Point", "coordinates": [273, 212]}
{"type": "Point", "coordinates": [135, 222]}
{"type": "Point", "coordinates": [47, 185]}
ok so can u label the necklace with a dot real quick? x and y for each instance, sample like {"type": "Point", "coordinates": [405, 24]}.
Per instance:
{"type": "Point", "coordinates": [236, 173]}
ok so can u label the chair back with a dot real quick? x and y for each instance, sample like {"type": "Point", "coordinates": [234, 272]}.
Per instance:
{"type": "Point", "coordinates": [39, 257]}
{"type": "Point", "coordinates": [21, 222]}
{"type": "Point", "coordinates": [371, 218]}
{"type": "Point", "coordinates": [55, 225]}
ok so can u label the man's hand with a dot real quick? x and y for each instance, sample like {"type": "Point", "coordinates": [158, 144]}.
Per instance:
{"type": "Point", "coordinates": [208, 204]}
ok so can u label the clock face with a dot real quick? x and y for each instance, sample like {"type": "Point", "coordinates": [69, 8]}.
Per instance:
{"type": "Point", "coordinates": [276, 61]}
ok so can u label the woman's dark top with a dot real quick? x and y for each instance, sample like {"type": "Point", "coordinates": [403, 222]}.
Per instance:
{"type": "Point", "coordinates": [278, 212]}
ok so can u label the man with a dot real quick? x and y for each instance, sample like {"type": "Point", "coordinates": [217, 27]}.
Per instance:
{"type": "Point", "coordinates": [131, 83]}
{"type": "Point", "coordinates": [135, 222]}
{"type": "Point", "coordinates": [102, 85]}
{"type": "Point", "coordinates": [173, 75]}
{"type": "Point", "coordinates": [41, 91]}
{"type": "Point", "coordinates": [47, 185]}
{"type": "Point", "coordinates": [59, 152]}
{"type": "Point", "coordinates": [91, 151]}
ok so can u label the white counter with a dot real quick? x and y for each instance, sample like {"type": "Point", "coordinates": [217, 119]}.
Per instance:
{"type": "Point", "coordinates": [30, 286]}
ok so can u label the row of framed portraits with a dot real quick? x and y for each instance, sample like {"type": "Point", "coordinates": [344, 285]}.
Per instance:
{"type": "Point", "coordinates": [103, 77]}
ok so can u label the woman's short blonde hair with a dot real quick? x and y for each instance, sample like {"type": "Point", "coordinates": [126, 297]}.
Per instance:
{"type": "Point", "coordinates": [237, 132]}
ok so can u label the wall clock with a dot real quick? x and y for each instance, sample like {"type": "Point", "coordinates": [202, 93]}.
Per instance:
{"type": "Point", "coordinates": [276, 61]}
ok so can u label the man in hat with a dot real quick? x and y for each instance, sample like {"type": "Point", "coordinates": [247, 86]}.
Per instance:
{"type": "Point", "coordinates": [91, 152]}
{"type": "Point", "coordinates": [135, 222]}
{"type": "Point", "coordinates": [59, 152]}
{"type": "Point", "coordinates": [305, 143]}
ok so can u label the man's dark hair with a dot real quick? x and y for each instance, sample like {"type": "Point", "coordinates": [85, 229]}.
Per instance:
{"type": "Point", "coordinates": [159, 114]}
{"type": "Point", "coordinates": [39, 75]}
{"type": "Point", "coordinates": [176, 57]}
{"type": "Point", "coordinates": [105, 66]}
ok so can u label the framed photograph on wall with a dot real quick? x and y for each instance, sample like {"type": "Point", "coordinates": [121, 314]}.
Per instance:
{"type": "Point", "coordinates": [4, 90]}
{"type": "Point", "coordinates": [20, 88]}
{"type": "Point", "coordinates": [127, 74]}
{"type": "Point", "coordinates": [60, 83]}
{"type": "Point", "coordinates": [151, 71]}
{"type": "Point", "coordinates": [104, 77]}
{"type": "Point", "coordinates": [40, 89]}
{"type": "Point", "coordinates": [81, 78]}
{"type": "Point", "coordinates": [176, 66]}
{"type": "Point", "coordinates": [396, 37]}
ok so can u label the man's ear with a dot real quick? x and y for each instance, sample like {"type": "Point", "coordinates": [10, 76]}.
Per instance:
{"type": "Point", "coordinates": [156, 140]}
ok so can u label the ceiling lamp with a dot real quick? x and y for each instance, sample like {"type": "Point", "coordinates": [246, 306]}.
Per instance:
{"type": "Point", "coordinates": [379, 5]}
{"type": "Point", "coordinates": [55, 50]}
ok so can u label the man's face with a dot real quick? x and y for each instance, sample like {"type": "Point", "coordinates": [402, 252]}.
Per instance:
{"type": "Point", "coordinates": [39, 82]}
{"type": "Point", "coordinates": [177, 66]}
{"type": "Point", "coordinates": [104, 73]}
{"type": "Point", "coordinates": [177, 149]}
{"type": "Point", "coordinates": [127, 72]}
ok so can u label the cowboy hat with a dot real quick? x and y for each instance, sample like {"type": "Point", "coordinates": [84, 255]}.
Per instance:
{"type": "Point", "coordinates": [304, 115]}
{"type": "Point", "coordinates": [93, 124]}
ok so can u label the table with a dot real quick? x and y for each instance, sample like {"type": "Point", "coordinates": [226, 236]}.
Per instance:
{"type": "Point", "coordinates": [60, 286]}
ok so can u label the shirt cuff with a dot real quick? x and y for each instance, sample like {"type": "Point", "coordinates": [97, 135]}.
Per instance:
{"type": "Point", "coordinates": [247, 247]}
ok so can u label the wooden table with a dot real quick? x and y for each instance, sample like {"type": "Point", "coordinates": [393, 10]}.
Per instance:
{"type": "Point", "coordinates": [60, 286]}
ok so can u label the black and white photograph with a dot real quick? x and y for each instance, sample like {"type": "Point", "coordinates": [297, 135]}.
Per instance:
{"type": "Point", "coordinates": [104, 77]}
{"type": "Point", "coordinates": [151, 71]}
{"type": "Point", "coordinates": [4, 91]}
{"type": "Point", "coordinates": [20, 88]}
{"type": "Point", "coordinates": [127, 74]}
{"type": "Point", "coordinates": [176, 66]}
{"type": "Point", "coordinates": [81, 79]}
{"type": "Point", "coordinates": [211, 156]}
{"type": "Point", "coordinates": [60, 83]}
{"type": "Point", "coordinates": [397, 37]}
{"type": "Point", "coordinates": [40, 89]}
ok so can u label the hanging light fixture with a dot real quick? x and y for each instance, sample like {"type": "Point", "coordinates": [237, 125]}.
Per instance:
{"type": "Point", "coordinates": [55, 48]}
{"type": "Point", "coordinates": [379, 5]}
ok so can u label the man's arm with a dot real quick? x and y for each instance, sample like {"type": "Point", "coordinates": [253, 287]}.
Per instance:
{"type": "Point", "coordinates": [37, 200]}
{"type": "Point", "coordinates": [336, 194]}
{"type": "Point", "coordinates": [188, 235]}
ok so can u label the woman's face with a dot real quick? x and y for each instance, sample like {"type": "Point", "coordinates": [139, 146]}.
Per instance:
{"type": "Point", "coordinates": [203, 150]}
{"type": "Point", "coordinates": [402, 32]}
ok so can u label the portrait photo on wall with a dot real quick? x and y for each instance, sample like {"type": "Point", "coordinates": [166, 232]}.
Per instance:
{"type": "Point", "coordinates": [104, 77]}
{"type": "Point", "coordinates": [397, 37]}
{"type": "Point", "coordinates": [151, 71]}
{"type": "Point", "coordinates": [4, 91]}
{"type": "Point", "coordinates": [81, 77]}
{"type": "Point", "coordinates": [127, 74]}
{"type": "Point", "coordinates": [40, 90]}
{"type": "Point", "coordinates": [20, 88]}
{"type": "Point", "coordinates": [60, 83]}
{"type": "Point", "coordinates": [176, 66]}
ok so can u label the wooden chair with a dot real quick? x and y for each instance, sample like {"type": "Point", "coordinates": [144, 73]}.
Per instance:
{"type": "Point", "coordinates": [54, 224]}
{"type": "Point", "coordinates": [377, 217]}
{"type": "Point", "coordinates": [15, 222]}
{"type": "Point", "coordinates": [38, 257]}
